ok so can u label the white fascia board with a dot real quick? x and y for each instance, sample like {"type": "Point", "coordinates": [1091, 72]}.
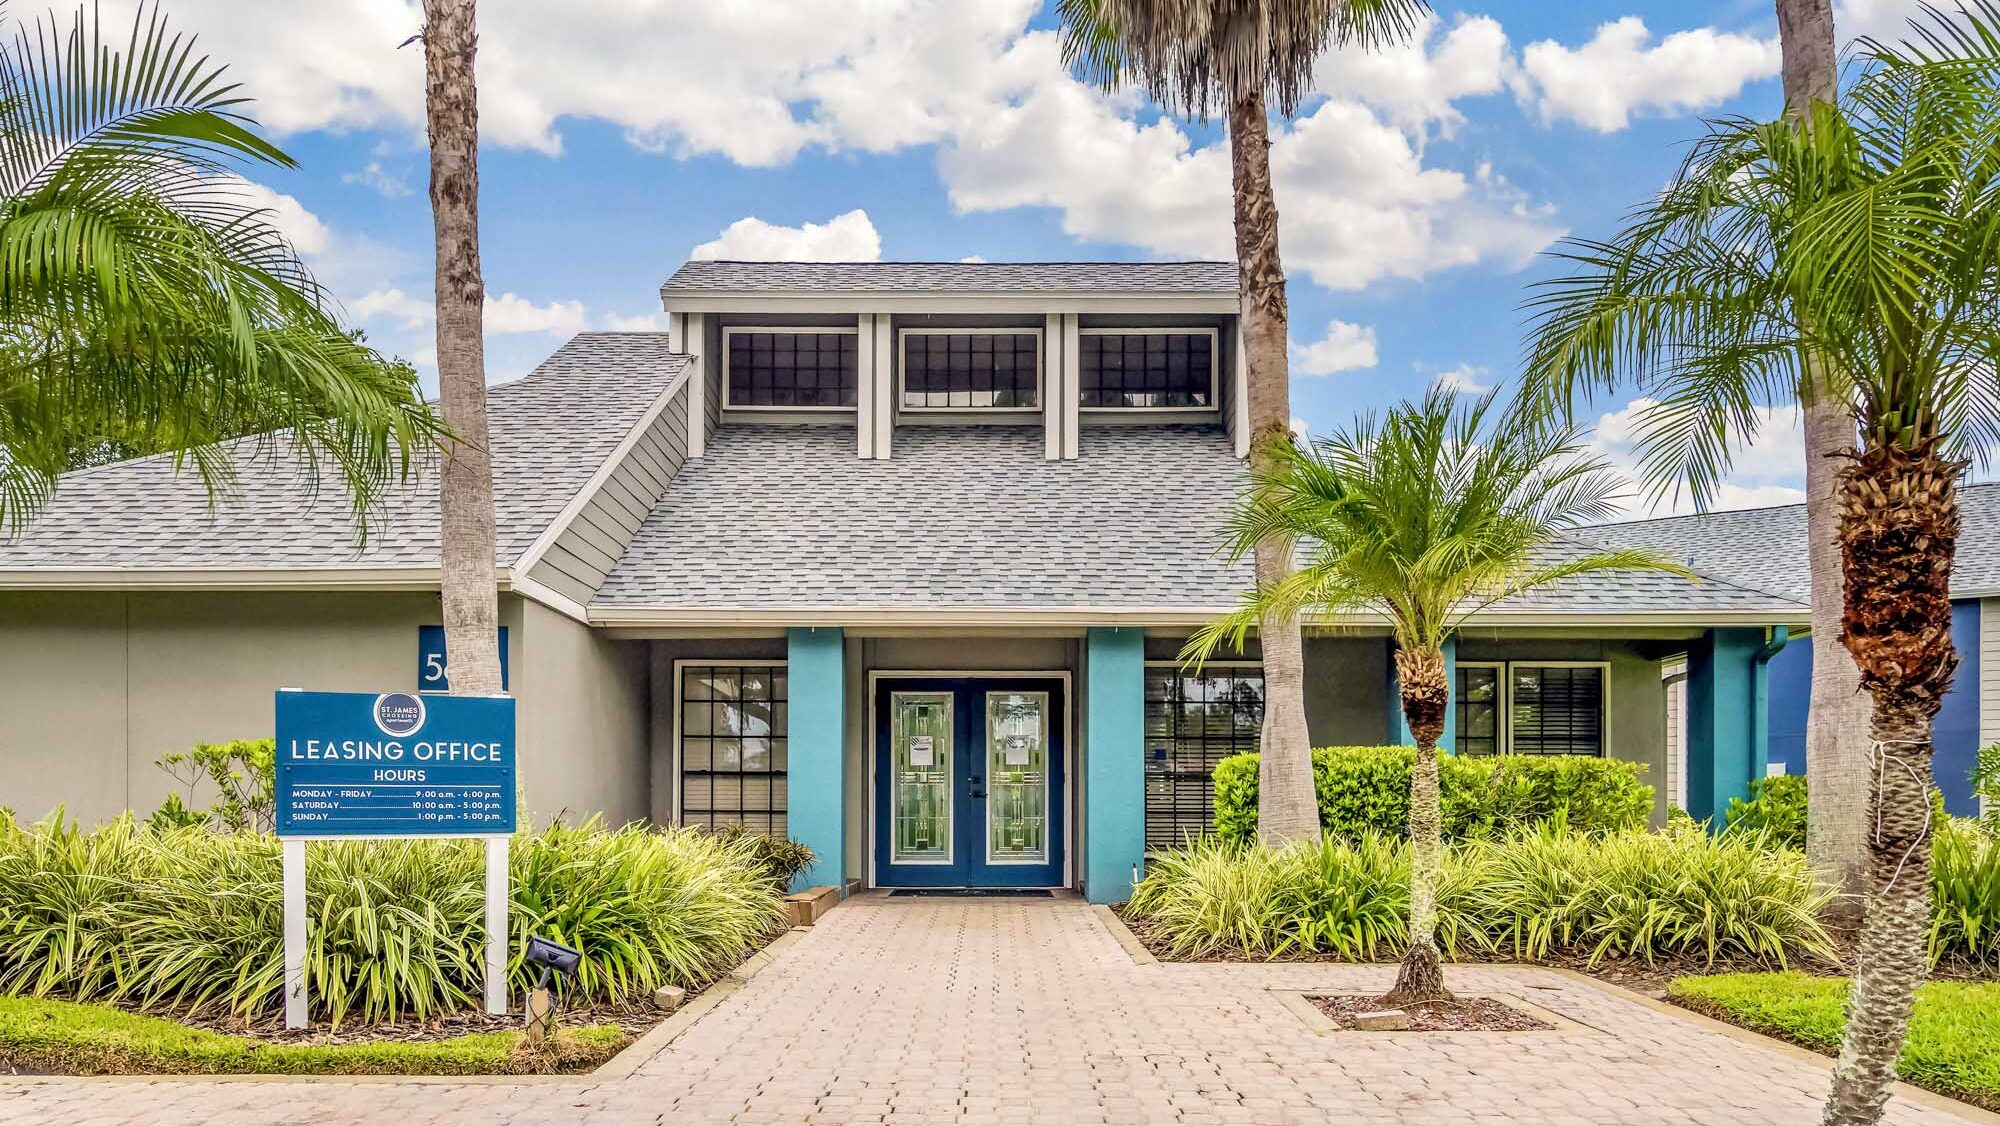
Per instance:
{"type": "Point", "coordinates": [358, 576]}
{"type": "Point", "coordinates": [519, 583]}
{"type": "Point", "coordinates": [753, 302]}
{"type": "Point", "coordinates": [862, 617]}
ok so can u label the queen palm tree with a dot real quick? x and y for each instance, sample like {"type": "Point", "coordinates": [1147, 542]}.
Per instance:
{"type": "Point", "coordinates": [469, 590]}
{"type": "Point", "coordinates": [1193, 56]}
{"type": "Point", "coordinates": [1837, 715]}
{"type": "Point", "coordinates": [1434, 514]}
{"type": "Point", "coordinates": [1864, 241]}
{"type": "Point", "coordinates": [146, 298]}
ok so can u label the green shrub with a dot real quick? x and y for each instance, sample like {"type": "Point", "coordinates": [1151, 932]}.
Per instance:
{"type": "Point", "coordinates": [241, 772]}
{"type": "Point", "coordinates": [1986, 784]}
{"type": "Point", "coordinates": [188, 917]}
{"type": "Point", "coordinates": [1953, 1043]}
{"type": "Point", "coordinates": [1363, 790]}
{"type": "Point", "coordinates": [66, 1038]}
{"type": "Point", "coordinates": [1965, 894]}
{"type": "Point", "coordinates": [1777, 809]}
{"type": "Point", "coordinates": [1530, 895]}
{"type": "Point", "coordinates": [782, 857]}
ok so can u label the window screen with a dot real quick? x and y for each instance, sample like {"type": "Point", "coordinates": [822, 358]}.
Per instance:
{"type": "Point", "coordinates": [1192, 723]}
{"type": "Point", "coordinates": [792, 369]}
{"type": "Point", "coordinates": [1476, 696]}
{"type": "Point", "coordinates": [1556, 710]}
{"type": "Point", "coordinates": [732, 731]}
{"type": "Point", "coordinates": [970, 370]}
{"type": "Point", "coordinates": [1147, 369]}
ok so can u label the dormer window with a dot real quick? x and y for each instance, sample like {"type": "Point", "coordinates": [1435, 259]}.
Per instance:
{"type": "Point", "coordinates": [971, 369]}
{"type": "Point", "coordinates": [789, 368]}
{"type": "Point", "coordinates": [1147, 369]}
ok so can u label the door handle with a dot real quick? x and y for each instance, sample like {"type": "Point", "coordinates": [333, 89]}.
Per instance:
{"type": "Point", "coordinates": [976, 787]}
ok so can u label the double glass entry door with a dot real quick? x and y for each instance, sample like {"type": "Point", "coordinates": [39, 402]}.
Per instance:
{"type": "Point", "coordinates": [969, 782]}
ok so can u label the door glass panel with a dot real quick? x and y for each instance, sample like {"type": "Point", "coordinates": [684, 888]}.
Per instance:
{"type": "Point", "coordinates": [1017, 777]}
{"type": "Point", "coordinates": [920, 742]}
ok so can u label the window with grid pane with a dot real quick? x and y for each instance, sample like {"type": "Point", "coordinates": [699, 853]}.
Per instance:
{"type": "Point", "coordinates": [792, 369]}
{"type": "Point", "coordinates": [732, 734]}
{"type": "Point", "coordinates": [1194, 722]}
{"type": "Point", "coordinates": [1476, 697]}
{"type": "Point", "coordinates": [1140, 369]}
{"type": "Point", "coordinates": [1557, 710]}
{"type": "Point", "coordinates": [970, 370]}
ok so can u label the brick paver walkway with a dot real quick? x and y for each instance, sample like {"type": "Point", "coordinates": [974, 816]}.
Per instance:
{"type": "Point", "coordinates": [1030, 1012]}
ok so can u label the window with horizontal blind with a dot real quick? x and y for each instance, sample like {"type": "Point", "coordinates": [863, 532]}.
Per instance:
{"type": "Point", "coordinates": [1146, 369]}
{"type": "Point", "coordinates": [732, 746]}
{"type": "Point", "coordinates": [1193, 722]}
{"type": "Point", "coordinates": [802, 370]}
{"type": "Point", "coordinates": [1555, 709]}
{"type": "Point", "coordinates": [971, 370]}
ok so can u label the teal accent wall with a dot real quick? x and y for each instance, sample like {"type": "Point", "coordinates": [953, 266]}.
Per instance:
{"type": "Point", "coordinates": [1448, 742]}
{"type": "Point", "coordinates": [1114, 794]}
{"type": "Point", "coordinates": [1726, 744]}
{"type": "Point", "coordinates": [816, 669]}
{"type": "Point", "coordinates": [1399, 728]}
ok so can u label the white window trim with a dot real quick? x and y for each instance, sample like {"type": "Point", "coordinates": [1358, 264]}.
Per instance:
{"type": "Point", "coordinates": [795, 330]}
{"type": "Point", "coordinates": [680, 681]}
{"type": "Point", "coordinates": [1214, 367]}
{"type": "Point", "coordinates": [1506, 718]}
{"type": "Point", "coordinates": [903, 368]}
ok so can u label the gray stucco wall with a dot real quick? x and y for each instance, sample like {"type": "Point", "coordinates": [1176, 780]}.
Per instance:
{"type": "Point", "coordinates": [1347, 691]}
{"type": "Point", "coordinates": [584, 720]}
{"type": "Point", "coordinates": [94, 687]}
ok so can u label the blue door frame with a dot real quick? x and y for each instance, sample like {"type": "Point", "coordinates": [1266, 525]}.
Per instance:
{"type": "Point", "coordinates": [969, 865]}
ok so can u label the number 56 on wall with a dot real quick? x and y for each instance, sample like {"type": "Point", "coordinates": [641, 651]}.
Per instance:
{"type": "Point", "coordinates": [433, 674]}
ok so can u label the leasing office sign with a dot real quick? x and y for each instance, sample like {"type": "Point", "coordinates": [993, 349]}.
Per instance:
{"type": "Point", "coordinates": [354, 764]}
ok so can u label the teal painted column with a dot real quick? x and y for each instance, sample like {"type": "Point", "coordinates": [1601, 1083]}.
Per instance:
{"type": "Point", "coordinates": [1399, 725]}
{"type": "Point", "coordinates": [1114, 793]}
{"type": "Point", "coordinates": [1448, 742]}
{"type": "Point", "coordinates": [1725, 749]}
{"type": "Point", "coordinates": [816, 670]}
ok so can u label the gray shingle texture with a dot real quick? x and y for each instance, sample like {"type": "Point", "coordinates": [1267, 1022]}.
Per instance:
{"type": "Point", "coordinates": [1766, 547]}
{"type": "Point", "coordinates": [976, 517]}
{"type": "Point", "coordinates": [550, 429]}
{"type": "Point", "coordinates": [953, 277]}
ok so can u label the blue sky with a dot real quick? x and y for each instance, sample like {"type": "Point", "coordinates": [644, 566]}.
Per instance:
{"type": "Point", "coordinates": [623, 135]}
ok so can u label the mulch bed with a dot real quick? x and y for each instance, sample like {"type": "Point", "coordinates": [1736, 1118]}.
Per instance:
{"type": "Point", "coordinates": [1460, 1014]}
{"type": "Point", "coordinates": [636, 1019]}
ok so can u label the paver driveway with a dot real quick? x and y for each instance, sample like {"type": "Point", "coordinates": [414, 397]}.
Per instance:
{"type": "Point", "coordinates": [982, 1011]}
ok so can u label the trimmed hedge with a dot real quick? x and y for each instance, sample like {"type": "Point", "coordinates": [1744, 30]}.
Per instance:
{"type": "Point", "coordinates": [1366, 790]}
{"type": "Point", "coordinates": [1777, 808]}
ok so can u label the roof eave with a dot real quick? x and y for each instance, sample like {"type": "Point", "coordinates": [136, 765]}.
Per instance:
{"type": "Point", "coordinates": [614, 616]}
{"type": "Point", "coordinates": [705, 300]}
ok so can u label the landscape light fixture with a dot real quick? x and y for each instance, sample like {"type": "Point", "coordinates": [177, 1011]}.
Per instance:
{"type": "Point", "coordinates": [554, 958]}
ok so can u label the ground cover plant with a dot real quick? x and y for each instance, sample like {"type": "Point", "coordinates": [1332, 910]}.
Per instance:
{"type": "Point", "coordinates": [185, 918]}
{"type": "Point", "coordinates": [43, 1036]}
{"type": "Point", "coordinates": [1953, 1044]}
{"type": "Point", "coordinates": [1682, 896]}
{"type": "Point", "coordinates": [1364, 790]}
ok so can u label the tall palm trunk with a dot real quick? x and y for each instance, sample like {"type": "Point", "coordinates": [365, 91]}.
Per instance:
{"type": "Point", "coordinates": [471, 602]}
{"type": "Point", "coordinates": [1898, 531]}
{"type": "Point", "coordinates": [1837, 717]}
{"type": "Point", "coordinates": [1426, 694]}
{"type": "Point", "coordinates": [1286, 807]}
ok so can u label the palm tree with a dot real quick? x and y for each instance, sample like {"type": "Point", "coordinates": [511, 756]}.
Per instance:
{"type": "Point", "coordinates": [1193, 55]}
{"type": "Point", "coordinates": [144, 296]}
{"type": "Point", "coordinates": [1837, 717]}
{"type": "Point", "coordinates": [470, 593]}
{"type": "Point", "coordinates": [1427, 518]}
{"type": "Point", "coordinates": [1864, 240]}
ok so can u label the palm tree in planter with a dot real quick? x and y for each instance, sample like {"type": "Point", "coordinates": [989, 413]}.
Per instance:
{"type": "Point", "coordinates": [1864, 240]}
{"type": "Point", "coordinates": [1435, 513]}
{"type": "Point", "coordinates": [1193, 55]}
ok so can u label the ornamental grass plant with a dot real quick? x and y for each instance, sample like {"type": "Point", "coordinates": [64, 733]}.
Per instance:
{"type": "Point", "coordinates": [187, 918]}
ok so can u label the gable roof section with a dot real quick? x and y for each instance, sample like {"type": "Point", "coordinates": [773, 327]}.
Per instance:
{"type": "Point", "coordinates": [551, 430]}
{"type": "Point", "coordinates": [703, 277]}
{"type": "Point", "coordinates": [1766, 548]}
{"type": "Point", "coordinates": [785, 524]}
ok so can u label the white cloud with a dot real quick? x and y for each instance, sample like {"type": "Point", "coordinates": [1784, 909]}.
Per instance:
{"type": "Point", "coordinates": [1345, 347]}
{"type": "Point", "coordinates": [843, 238]}
{"type": "Point", "coordinates": [1621, 71]}
{"type": "Point", "coordinates": [1415, 83]}
{"type": "Point", "coordinates": [643, 322]}
{"type": "Point", "coordinates": [512, 313]}
{"type": "Point", "coordinates": [1465, 379]}
{"type": "Point", "coordinates": [393, 305]}
{"type": "Point", "coordinates": [1768, 469]}
{"type": "Point", "coordinates": [303, 229]}
{"type": "Point", "coordinates": [377, 179]}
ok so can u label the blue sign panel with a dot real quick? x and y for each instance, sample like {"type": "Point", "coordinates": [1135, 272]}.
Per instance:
{"type": "Point", "coordinates": [434, 672]}
{"type": "Point", "coordinates": [397, 764]}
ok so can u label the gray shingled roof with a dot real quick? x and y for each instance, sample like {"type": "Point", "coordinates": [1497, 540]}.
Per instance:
{"type": "Point", "coordinates": [953, 277]}
{"type": "Point", "coordinates": [977, 518]}
{"type": "Point", "coordinates": [1766, 547]}
{"type": "Point", "coordinates": [551, 429]}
